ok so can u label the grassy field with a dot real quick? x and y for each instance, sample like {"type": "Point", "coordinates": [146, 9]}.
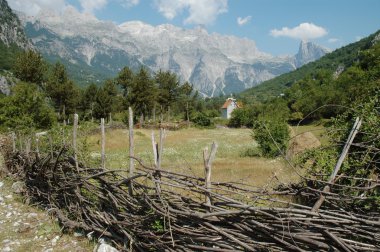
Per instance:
{"type": "Point", "coordinates": [183, 153]}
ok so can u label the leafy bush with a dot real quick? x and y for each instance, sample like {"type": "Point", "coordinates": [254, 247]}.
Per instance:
{"type": "Point", "coordinates": [272, 136]}
{"type": "Point", "coordinates": [362, 160]}
{"type": "Point", "coordinates": [201, 119]}
{"type": "Point", "coordinates": [26, 108]}
{"type": "Point", "coordinates": [240, 117]}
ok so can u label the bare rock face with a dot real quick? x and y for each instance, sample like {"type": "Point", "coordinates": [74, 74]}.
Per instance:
{"type": "Point", "coordinates": [11, 30]}
{"type": "Point", "coordinates": [215, 64]}
{"type": "Point", "coordinates": [5, 85]}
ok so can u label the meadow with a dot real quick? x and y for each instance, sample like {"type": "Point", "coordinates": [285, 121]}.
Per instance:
{"type": "Point", "coordinates": [183, 152]}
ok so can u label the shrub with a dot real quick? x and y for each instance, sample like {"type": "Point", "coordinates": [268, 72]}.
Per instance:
{"type": "Point", "coordinates": [201, 119]}
{"type": "Point", "coordinates": [240, 117]}
{"type": "Point", "coordinates": [272, 136]}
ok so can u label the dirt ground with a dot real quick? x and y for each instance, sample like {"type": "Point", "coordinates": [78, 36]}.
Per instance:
{"type": "Point", "coordinates": [27, 228]}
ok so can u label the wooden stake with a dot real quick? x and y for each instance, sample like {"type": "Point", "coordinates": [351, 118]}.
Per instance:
{"type": "Point", "coordinates": [208, 164]}
{"type": "Point", "coordinates": [343, 155]}
{"type": "Point", "coordinates": [27, 146]}
{"type": "Point", "coordinates": [75, 130]}
{"type": "Point", "coordinates": [37, 145]}
{"type": "Point", "coordinates": [154, 146]}
{"type": "Point", "coordinates": [103, 154]}
{"type": "Point", "coordinates": [13, 142]}
{"type": "Point", "coordinates": [131, 146]}
{"type": "Point", "coordinates": [51, 145]}
{"type": "Point", "coordinates": [161, 149]}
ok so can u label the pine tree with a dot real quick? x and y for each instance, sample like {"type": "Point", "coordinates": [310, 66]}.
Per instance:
{"type": "Point", "coordinates": [29, 66]}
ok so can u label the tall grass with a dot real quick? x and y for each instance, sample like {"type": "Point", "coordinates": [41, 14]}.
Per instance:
{"type": "Point", "coordinates": [183, 151]}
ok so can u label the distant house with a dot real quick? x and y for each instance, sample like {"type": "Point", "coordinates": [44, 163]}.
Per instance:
{"type": "Point", "coordinates": [230, 105]}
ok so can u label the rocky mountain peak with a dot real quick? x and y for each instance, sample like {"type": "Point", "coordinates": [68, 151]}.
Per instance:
{"type": "Point", "coordinates": [11, 30]}
{"type": "Point", "coordinates": [214, 63]}
{"type": "Point", "coordinates": [308, 52]}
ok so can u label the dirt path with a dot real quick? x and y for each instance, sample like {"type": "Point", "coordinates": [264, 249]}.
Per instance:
{"type": "Point", "coordinates": [27, 228]}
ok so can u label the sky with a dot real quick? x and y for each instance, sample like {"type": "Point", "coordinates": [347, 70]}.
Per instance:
{"type": "Point", "coordinates": [277, 26]}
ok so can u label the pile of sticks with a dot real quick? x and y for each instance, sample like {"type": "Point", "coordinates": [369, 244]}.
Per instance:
{"type": "Point", "coordinates": [158, 210]}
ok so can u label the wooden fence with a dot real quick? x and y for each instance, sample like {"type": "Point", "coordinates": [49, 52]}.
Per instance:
{"type": "Point", "coordinates": [153, 209]}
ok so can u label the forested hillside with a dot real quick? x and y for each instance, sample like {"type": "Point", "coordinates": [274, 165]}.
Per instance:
{"type": "Point", "coordinates": [333, 62]}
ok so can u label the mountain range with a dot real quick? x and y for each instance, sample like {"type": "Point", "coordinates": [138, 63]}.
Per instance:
{"type": "Point", "coordinates": [11, 30]}
{"type": "Point", "coordinates": [215, 64]}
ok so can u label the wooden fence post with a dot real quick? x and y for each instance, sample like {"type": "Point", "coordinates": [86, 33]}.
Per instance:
{"type": "Point", "coordinates": [51, 145]}
{"type": "Point", "coordinates": [208, 164]}
{"type": "Point", "coordinates": [131, 146]}
{"type": "Point", "coordinates": [343, 155]}
{"type": "Point", "coordinates": [27, 145]}
{"type": "Point", "coordinates": [75, 131]}
{"type": "Point", "coordinates": [155, 149]}
{"type": "Point", "coordinates": [13, 142]}
{"type": "Point", "coordinates": [161, 149]}
{"type": "Point", "coordinates": [37, 144]}
{"type": "Point", "coordinates": [103, 154]}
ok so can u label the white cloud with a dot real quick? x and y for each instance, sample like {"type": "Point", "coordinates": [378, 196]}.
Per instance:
{"type": "Point", "coordinates": [357, 38]}
{"type": "Point", "coordinates": [332, 40]}
{"type": "Point", "coordinates": [129, 3]}
{"type": "Point", "coordinates": [89, 6]}
{"type": "Point", "coordinates": [200, 11]}
{"type": "Point", "coordinates": [32, 7]}
{"type": "Point", "coordinates": [242, 21]}
{"type": "Point", "coordinates": [303, 31]}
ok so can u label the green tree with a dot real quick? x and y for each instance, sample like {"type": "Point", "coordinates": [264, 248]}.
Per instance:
{"type": "Point", "coordinates": [29, 66]}
{"type": "Point", "coordinates": [125, 79]}
{"type": "Point", "coordinates": [62, 91]}
{"type": "Point", "coordinates": [25, 109]}
{"type": "Point", "coordinates": [106, 100]}
{"type": "Point", "coordinates": [168, 88]}
{"type": "Point", "coordinates": [272, 135]}
{"type": "Point", "coordinates": [88, 99]}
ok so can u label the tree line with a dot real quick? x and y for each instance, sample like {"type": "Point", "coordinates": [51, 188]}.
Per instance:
{"type": "Point", "coordinates": [46, 95]}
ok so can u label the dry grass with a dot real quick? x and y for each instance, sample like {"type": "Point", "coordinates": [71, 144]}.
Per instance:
{"type": "Point", "coordinates": [317, 130]}
{"type": "Point", "coordinates": [183, 153]}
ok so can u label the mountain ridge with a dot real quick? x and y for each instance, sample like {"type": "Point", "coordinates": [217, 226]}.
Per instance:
{"type": "Point", "coordinates": [215, 64]}
{"type": "Point", "coordinates": [335, 62]}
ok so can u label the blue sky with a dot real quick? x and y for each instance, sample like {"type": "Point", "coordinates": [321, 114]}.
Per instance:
{"type": "Point", "coordinates": [277, 26]}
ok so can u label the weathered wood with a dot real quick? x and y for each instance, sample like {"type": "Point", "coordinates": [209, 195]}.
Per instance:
{"type": "Point", "coordinates": [343, 155]}
{"type": "Point", "coordinates": [37, 144]}
{"type": "Point", "coordinates": [28, 145]}
{"type": "Point", "coordinates": [103, 148]}
{"type": "Point", "coordinates": [154, 146]}
{"type": "Point", "coordinates": [161, 149]}
{"type": "Point", "coordinates": [13, 135]}
{"type": "Point", "coordinates": [75, 147]}
{"type": "Point", "coordinates": [51, 146]}
{"type": "Point", "coordinates": [208, 159]}
{"type": "Point", "coordinates": [131, 148]}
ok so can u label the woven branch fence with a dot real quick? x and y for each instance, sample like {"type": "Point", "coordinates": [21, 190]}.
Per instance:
{"type": "Point", "coordinates": [153, 209]}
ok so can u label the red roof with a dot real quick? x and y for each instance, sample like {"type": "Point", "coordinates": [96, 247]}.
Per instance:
{"type": "Point", "coordinates": [229, 101]}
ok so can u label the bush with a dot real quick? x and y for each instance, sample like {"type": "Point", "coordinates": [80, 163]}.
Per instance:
{"type": "Point", "coordinates": [272, 136]}
{"type": "Point", "coordinates": [201, 119]}
{"type": "Point", "coordinates": [26, 108]}
{"type": "Point", "coordinates": [240, 117]}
